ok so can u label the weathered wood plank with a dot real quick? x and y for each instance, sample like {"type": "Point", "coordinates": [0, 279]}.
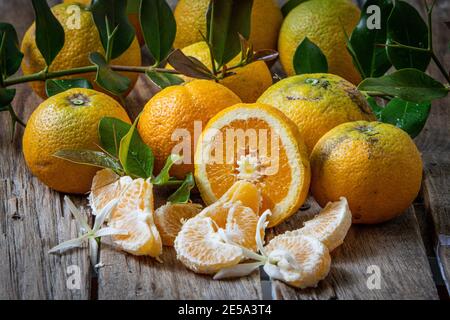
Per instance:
{"type": "Point", "coordinates": [394, 247]}
{"type": "Point", "coordinates": [32, 217]}
{"type": "Point", "coordinates": [436, 190]}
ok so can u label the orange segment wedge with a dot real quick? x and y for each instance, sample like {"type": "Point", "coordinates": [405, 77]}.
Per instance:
{"type": "Point", "coordinates": [330, 226]}
{"type": "Point", "coordinates": [299, 261]}
{"type": "Point", "coordinates": [170, 218]}
{"type": "Point", "coordinates": [106, 186]}
{"type": "Point", "coordinates": [134, 213]}
{"type": "Point", "coordinates": [259, 144]}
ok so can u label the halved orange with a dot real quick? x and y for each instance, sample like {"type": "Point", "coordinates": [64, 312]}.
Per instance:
{"type": "Point", "coordinates": [259, 144]}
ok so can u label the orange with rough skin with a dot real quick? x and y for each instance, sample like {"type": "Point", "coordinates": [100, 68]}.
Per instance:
{"type": "Point", "coordinates": [323, 22]}
{"type": "Point", "coordinates": [68, 120]}
{"type": "Point", "coordinates": [79, 43]}
{"type": "Point", "coordinates": [132, 16]}
{"type": "Point", "coordinates": [317, 103]}
{"type": "Point", "coordinates": [190, 16]}
{"type": "Point", "coordinates": [169, 117]}
{"type": "Point", "coordinates": [376, 166]}
{"type": "Point", "coordinates": [248, 82]}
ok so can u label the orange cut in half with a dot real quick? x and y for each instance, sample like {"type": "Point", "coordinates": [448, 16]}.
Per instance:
{"type": "Point", "coordinates": [259, 144]}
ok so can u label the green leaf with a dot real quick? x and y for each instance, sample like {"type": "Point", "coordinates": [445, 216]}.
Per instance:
{"type": "Point", "coordinates": [10, 55]}
{"type": "Point", "coordinates": [377, 110]}
{"type": "Point", "coordinates": [164, 80]}
{"type": "Point", "coordinates": [226, 19]}
{"type": "Point", "coordinates": [308, 58]}
{"type": "Point", "coordinates": [406, 26]}
{"type": "Point", "coordinates": [409, 116]}
{"type": "Point", "coordinates": [183, 193]}
{"type": "Point", "coordinates": [189, 66]}
{"type": "Point", "coordinates": [6, 97]}
{"type": "Point", "coordinates": [364, 42]}
{"type": "Point", "coordinates": [164, 176]}
{"type": "Point", "coordinates": [90, 157]}
{"type": "Point", "coordinates": [134, 155]}
{"type": "Point", "coordinates": [158, 27]}
{"type": "Point", "coordinates": [288, 6]}
{"type": "Point", "coordinates": [49, 32]}
{"type": "Point", "coordinates": [116, 13]}
{"type": "Point", "coordinates": [53, 86]}
{"type": "Point", "coordinates": [407, 84]}
{"type": "Point", "coordinates": [110, 133]}
{"type": "Point", "coordinates": [133, 6]}
{"type": "Point", "coordinates": [108, 79]}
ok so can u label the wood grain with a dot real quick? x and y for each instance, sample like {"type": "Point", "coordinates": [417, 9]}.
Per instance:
{"type": "Point", "coordinates": [436, 190]}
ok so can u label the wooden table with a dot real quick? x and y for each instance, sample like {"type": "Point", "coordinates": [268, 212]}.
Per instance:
{"type": "Point", "coordinates": [411, 252]}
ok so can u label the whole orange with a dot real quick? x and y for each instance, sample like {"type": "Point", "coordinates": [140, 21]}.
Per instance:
{"type": "Point", "coordinates": [376, 166]}
{"type": "Point", "coordinates": [169, 117]}
{"type": "Point", "coordinates": [68, 120]}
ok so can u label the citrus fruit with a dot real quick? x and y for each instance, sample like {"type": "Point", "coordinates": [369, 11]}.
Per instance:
{"type": "Point", "coordinates": [323, 22]}
{"type": "Point", "coordinates": [200, 245]}
{"type": "Point", "coordinates": [170, 116]}
{"type": "Point", "coordinates": [248, 82]}
{"type": "Point", "coordinates": [132, 16]}
{"type": "Point", "coordinates": [75, 53]}
{"type": "Point", "coordinates": [259, 144]}
{"type": "Point", "coordinates": [317, 103]}
{"type": "Point", "coordinates": [190, 16]}
{"type": "Point", "coordinates": [68, 120]}
{"type": "Point", "coordinates": [134, 214]}
{"type": "Point", "coordinates": [330, 226]}
{"type": "Point", "coordinates": [299, 261]}
{"type": "Point", "coordinates": [106, 186]}
{"type": "Point", "coordinates": [376, 166]}
{"type": "Point", "coordinates": [170, 217]}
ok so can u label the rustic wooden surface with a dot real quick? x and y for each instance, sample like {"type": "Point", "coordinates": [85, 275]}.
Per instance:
{"type": "Point", "coordinates": [33, 219]}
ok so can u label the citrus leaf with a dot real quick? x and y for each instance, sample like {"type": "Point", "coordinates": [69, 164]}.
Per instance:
{"type": "Point", "coordinates": [108, 79]}
{"type": "Point", "coordinates": [189, 66]}
{"type": "Point", "coordinates": [164, 176]}
{"type": "Point", "coordinates": [406, 26]}
{"type": "Point", "coordinates": [409, 116]}
{"type": "Point", "coordinates": [288, 6]}
{"type": "Point", "coordinates": [134, 155]}
{"type": "Point", "coordinates": [50, 35]}
{"type": "Point", "coordinates": [226, 19]}
{"type": "Point", "coordinates": [308, 58]}
{"type": "Point", "coordinates": [164, 80]}
{"type": "Point", "coordinates": [133, 6]}
{"type": "Point", "coordinates": [6, 97]}
{"type": "Point", "coordinates": [89, 157]}
{"type": "Point", "coordinates": [110, 133]}
{"type": "Point", "coordinates": [377, 110]}
{"type": "Point", "coordinates": [183, 193]}
{"type": "Point", "coordinates": [408, 84]}
{"type": "Point", "coordinates": [115, 12]}
{"type": "Point", "coordinates": [364, 42]}
{"type": "Point", "coordinates": [10, 55]}
{"type": "Point", "coordinates": [158, 27]}
{"type": "Point", "coordinates": [53, 86]}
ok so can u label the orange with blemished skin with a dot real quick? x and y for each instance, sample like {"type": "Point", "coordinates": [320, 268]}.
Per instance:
{"type": "Point", "coordinates": [376, 166]}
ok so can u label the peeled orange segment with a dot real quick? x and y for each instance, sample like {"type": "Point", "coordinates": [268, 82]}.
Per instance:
{"type": "Point", "coordinates": [170, 218]}
{"type": "Point", "coordinates": [241, 226]}
{"type": "Point", "coordinates": [299, 261]}
{"type": "Point", "coordinates": [134, 213]}
{"type": "Point", "coordinates": [106, 186]}
{"type": "Point", "coordinates": [244, 192]}
{"type": "Point", "coordinates": [330, 226]}
{"type": "Point", "coordinates": [259, 144]}
{"type": "Point", "coordinates": [200, 248]}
